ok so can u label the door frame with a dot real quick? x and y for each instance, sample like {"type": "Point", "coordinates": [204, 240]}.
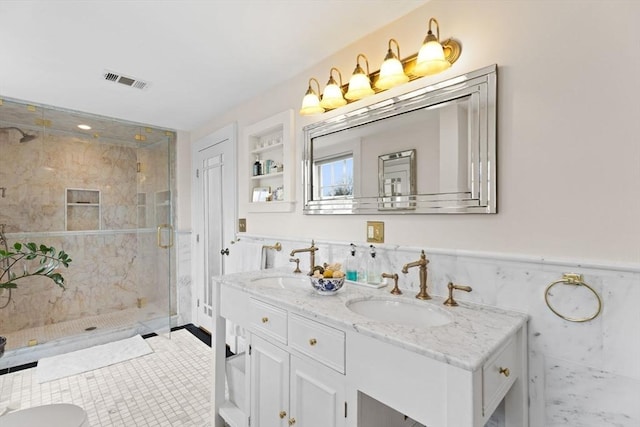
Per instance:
{"type": "Point", "coordinates": [228, 132]}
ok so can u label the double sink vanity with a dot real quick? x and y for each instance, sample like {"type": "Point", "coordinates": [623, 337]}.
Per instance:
{"type": "Point", "coordinates": [365, 357]}
{"type": "Point", "coordinates": [315, 360]}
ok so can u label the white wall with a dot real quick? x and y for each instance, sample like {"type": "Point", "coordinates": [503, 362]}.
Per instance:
{"type": "Point", "coordinates": [568, 157]}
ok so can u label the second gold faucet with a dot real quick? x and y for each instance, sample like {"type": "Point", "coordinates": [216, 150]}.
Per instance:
{"type": "Point", "coordinates": [312, 253]}
{"type": "Point", "coordinates": [422, 264]}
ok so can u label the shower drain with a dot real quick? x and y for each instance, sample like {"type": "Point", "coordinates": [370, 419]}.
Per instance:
{"type": "Point", "coordinates": [91, 328]}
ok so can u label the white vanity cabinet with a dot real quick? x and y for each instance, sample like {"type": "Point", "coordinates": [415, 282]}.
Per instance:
{"type": "Point", "coordinates": [295, 366]}
{"type": "Point", "coordinates": [313, 364]}
{"type": "Point", "coordinates": [289, 390]}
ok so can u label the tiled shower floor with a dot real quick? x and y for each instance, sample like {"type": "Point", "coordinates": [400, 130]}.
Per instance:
{"type": "Point", "coordinates": [108, 321]}
{"type": "Point", "coordinates": [170, 387]}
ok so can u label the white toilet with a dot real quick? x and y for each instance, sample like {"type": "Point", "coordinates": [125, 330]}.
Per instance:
{"type": "Point", "coordinates": [56, 415]}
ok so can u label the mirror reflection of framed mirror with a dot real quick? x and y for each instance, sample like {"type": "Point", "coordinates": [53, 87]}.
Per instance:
{"type": "Point", "coordinates": [448, 131]}
{"type": "Point", "coordinates": [397, 179]}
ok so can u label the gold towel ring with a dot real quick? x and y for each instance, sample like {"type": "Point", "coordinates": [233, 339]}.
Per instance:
{"type": "Point", "coordinates": [577, 280]}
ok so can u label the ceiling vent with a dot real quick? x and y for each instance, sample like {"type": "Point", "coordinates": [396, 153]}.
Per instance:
{"type": "Point", "coordinates": [124, 80]}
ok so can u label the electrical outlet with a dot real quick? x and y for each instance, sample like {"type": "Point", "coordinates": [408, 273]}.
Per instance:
{"type": "Point", "coordinates": [375, 232]}
{"type": "Point", "coordinates": [242, 225]}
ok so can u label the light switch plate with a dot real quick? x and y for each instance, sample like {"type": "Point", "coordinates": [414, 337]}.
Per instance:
{"type": "Point", "coordinates": [242, 225]}
{"type": "Point", "coordinates": [375, 232]}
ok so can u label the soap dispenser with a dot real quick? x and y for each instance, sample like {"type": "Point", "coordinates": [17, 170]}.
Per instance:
{"type": "Point", "coordinates": [361, 265]}
{"type": "Point", "coordinates": [373, 272]}
{"type": "Point", "coordinates": [351, 264]}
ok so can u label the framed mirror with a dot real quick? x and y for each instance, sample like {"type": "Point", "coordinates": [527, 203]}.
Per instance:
{"type": "Point", "coordinates": [435, 148]}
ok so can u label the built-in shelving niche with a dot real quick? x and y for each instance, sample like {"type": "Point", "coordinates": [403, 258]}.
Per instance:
{"type": "Point", "coordinates": [82, 209]}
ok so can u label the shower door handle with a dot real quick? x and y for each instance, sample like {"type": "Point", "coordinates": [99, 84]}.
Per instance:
{"type": "Point", "coordinates": [159, 236]}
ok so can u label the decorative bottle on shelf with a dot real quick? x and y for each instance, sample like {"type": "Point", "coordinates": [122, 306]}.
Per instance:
{"type": "Point", "coordinates": [257, 167]}
{"type": "Point", "coordinates": [373, 274]}
{"type": "Point", "coordinates": [351, 264]}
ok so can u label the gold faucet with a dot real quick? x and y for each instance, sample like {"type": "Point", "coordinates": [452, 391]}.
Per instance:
{"type": "Point", "coordinates": [297, 261]}
{"type": "Point", "coordinates": [396, 290]}
{"type": "Point", "coordinates": [450, 301]}
{"type": "Point", "coordinates": [422, 263]}
{"type": "Point", "coordinates": [312, 252]}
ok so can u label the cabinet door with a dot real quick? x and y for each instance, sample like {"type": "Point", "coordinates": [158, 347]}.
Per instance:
{"type": "Point", "coordinates": [269, 376]}
{"type": "Point", "coordinates": [317, 395]}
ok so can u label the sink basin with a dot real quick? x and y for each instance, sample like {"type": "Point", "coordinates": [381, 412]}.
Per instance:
{"type": "Point", "coordinates": [283, 282]}
{"type": "Point", "coordinates": [416, 314]}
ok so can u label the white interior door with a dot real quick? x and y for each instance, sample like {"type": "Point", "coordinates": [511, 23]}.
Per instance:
{"type": "Point", "coordinates": [214, 216]}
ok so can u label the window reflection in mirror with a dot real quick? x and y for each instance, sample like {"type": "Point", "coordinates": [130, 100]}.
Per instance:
{"type": "Point", "coordinates": [335, 176]}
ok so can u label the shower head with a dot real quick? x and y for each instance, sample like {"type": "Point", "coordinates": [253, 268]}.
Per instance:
{"type": "Point", "coordinates": [25, 136]}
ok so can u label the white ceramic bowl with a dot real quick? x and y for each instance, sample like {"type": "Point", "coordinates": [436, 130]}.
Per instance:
{"type": "Point", "coordinates": [326, 286]}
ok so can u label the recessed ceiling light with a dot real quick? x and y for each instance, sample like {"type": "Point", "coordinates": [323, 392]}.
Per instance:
{"type": "Point", "coordinates": [84, 127]}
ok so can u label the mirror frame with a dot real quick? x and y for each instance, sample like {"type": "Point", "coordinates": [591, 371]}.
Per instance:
{"type": "Point", "coordinates": [482, 164]}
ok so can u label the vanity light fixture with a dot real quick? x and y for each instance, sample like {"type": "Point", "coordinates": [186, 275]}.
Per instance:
{"type": "Point", "coordinates": [332, 95]}
{"type": "Point", "coordinates": [435, 57]}
{"type": "Point", "coordinates": [311, 101]}
{"type": "Point", "coordinates": [360, 83]}
{"type": "Point", "coordinates": [391, 70]}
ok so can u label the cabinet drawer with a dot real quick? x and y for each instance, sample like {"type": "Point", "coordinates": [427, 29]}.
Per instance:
{"type": "Point", "coordinates": [268, 320]}
{"type": "Point", "coordinates": [498, 374]}
{"type": "Point", "coordinates": [320, 342]}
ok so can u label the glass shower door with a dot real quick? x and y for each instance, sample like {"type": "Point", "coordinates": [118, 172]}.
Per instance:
{"type": "Point", "coordinates": [156, 272]}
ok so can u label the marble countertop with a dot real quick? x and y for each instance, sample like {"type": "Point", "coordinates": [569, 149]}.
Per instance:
{"type": "Point", "coordinates": [475, 333]}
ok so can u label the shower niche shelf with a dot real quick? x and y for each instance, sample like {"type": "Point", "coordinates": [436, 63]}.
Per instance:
{"type": "Point", "coordinates": [82, 209]}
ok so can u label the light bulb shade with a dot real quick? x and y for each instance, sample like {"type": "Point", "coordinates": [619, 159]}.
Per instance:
{"type": "Point", "coordinates": [431, 59]}
{"type": "Point", "coordinates": [391, 74]}
{"type": "Point", "coordinates": [311, 104]}
{"type": "Point", "coordinates": [359, 86]}
{"type": "Point", "coordinates": [332, 95]}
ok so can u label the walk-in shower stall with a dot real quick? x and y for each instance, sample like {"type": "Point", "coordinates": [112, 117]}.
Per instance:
{"type": "Point", "coordinates": [100, 189]}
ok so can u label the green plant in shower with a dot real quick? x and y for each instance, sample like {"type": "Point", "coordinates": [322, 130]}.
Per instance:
{"type": "Point", "coordinates": [49, 260]}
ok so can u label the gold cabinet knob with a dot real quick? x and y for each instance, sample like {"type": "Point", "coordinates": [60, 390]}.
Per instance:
{"type": "Point", "coordinates": [313, 341]}
{"type": "Point", "coordinates": [265, 319]}
{"type": "Point", "coordinates": [292, 421]}
{"type": "Point", "coordinates": [504, 371]}
{"type": "Point", "coordinates": [283, 414]}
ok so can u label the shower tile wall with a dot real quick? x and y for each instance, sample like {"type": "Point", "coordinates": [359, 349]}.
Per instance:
{"type": "Point", "coordinates": [113, 268]}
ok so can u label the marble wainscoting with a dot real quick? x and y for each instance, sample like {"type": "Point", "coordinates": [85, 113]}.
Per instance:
{"type": "Point", "coordinates": [184, 277]}
{"type": "Point", "coordinates": [580, 374]}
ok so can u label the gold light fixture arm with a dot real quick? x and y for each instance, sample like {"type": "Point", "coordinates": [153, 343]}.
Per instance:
{"type": "Point", "coordinates": [310, 90]}
{"type": "Point", "coordinates": [366, 61]}
{"type": "Point", "coordinates": [390, 53]}
{"type": "Point", "coordinates": [431, 21]}
{"type": "Point", "coordinates": [339, 75]}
